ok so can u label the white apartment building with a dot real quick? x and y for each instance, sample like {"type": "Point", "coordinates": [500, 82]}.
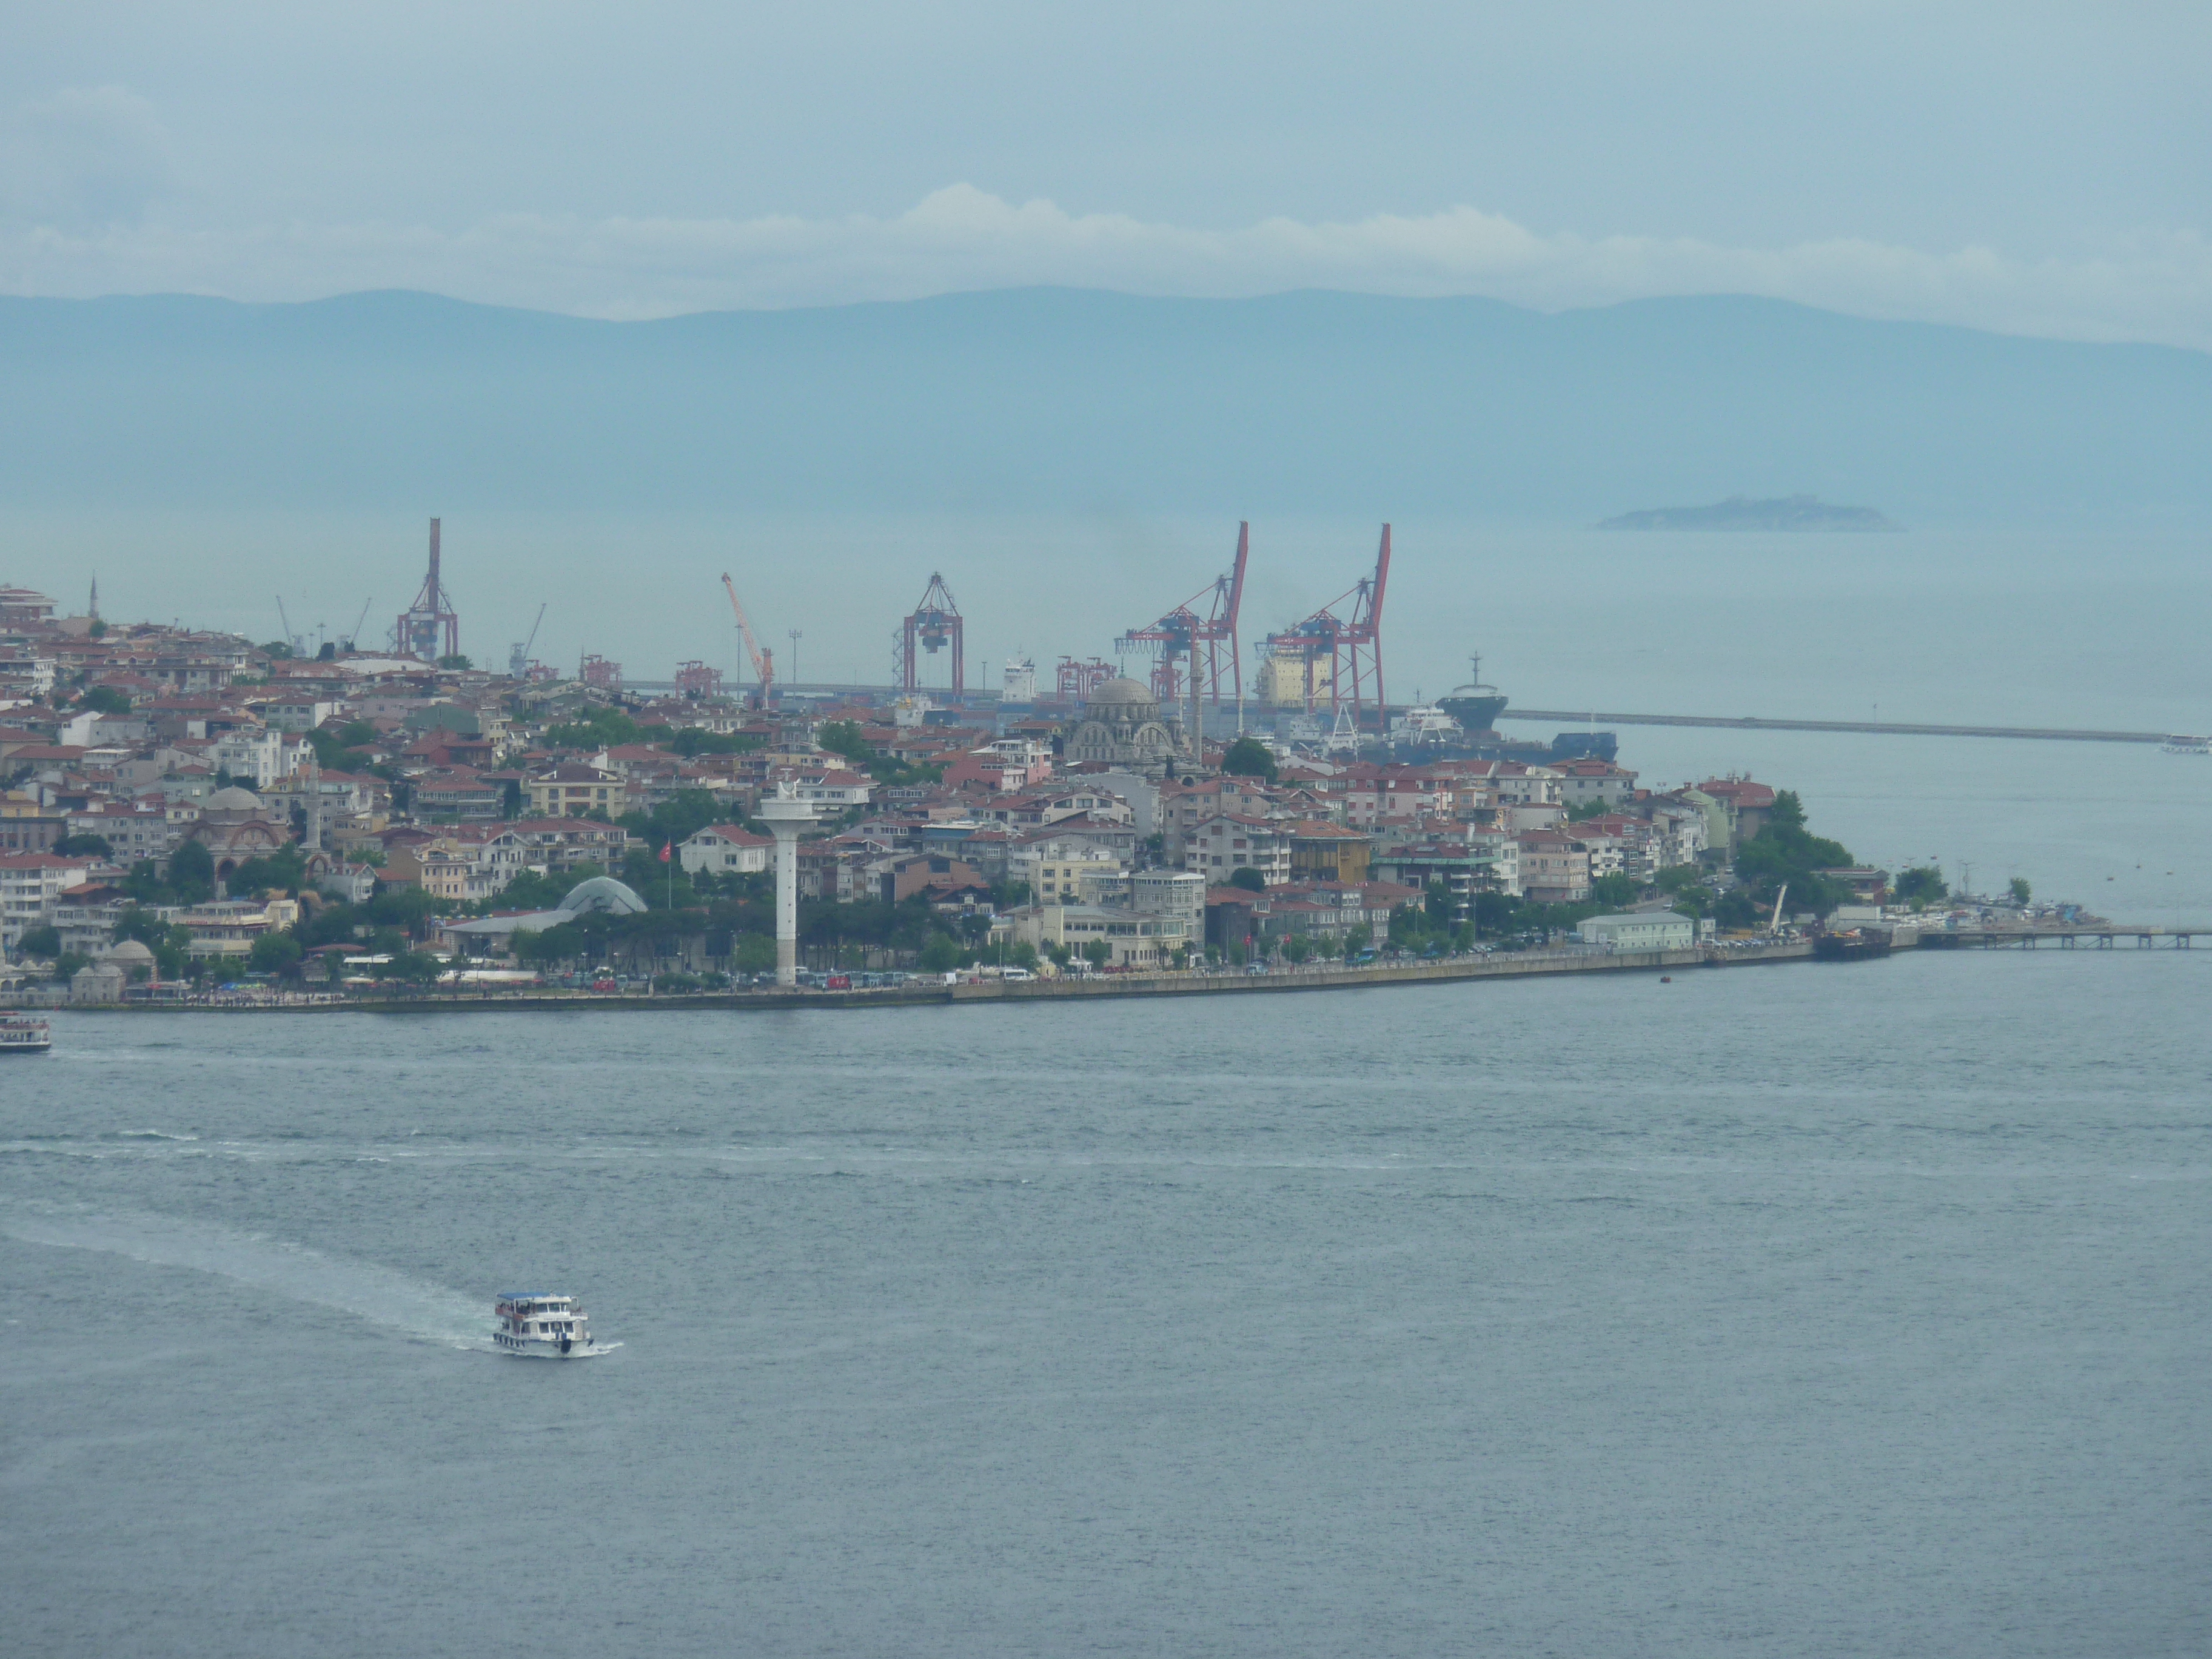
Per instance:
{"type": "Point", "coordinates": [31, 885]}
{"type": "Point", "coordinates": [1582, 782]}
{"type": "Point", "coordinates": [1227, 842]}
{"type": "Point", "coordinates": [255, 758]}
{"type": "Point", "coordinates": [1177, 893]}
{"type": "Point", "coordinates": [1055, 869]}
{"type": "Point", "coordinates": [835, 790]}
{"type": "Point", "coordinates": [725, 849]}
{"type": "Point", "coordinates": [1134, 938]}
{"type": "Point", "coordinates": [1503, 849]}
{"type": "Point", "coordinates": [293, 713]}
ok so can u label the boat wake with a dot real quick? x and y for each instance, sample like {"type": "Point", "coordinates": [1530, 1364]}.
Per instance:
{"type": "Point", "coordinates": [426, 1312]}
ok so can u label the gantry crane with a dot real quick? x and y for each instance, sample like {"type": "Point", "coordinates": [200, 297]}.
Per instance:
{"type": "Point", "coordinates": [1352, 645]}
{"type": "Point", "coordinates": [1184, 643]}
{"type": "Point", "coordinates": [933, 624]}
{"type": "Point", "coordinates": [764, 659]}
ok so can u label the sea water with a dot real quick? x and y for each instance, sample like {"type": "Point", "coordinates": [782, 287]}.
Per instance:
{"type": "Point", "coordinates": [1850, 1309]}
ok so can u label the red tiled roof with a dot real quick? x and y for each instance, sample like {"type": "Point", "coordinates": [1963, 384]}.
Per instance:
{"type": "Point", "coordinates": [736, 834]}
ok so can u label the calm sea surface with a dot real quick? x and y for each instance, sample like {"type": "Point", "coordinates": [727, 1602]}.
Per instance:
{"type": "Point", "coordinates": [1795, 1310]}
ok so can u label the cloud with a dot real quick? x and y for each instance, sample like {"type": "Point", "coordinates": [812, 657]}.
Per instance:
{"type": "Point", "coordinates": [2156, 287]}
{"type": "Point", "coordinates": [86, 156]}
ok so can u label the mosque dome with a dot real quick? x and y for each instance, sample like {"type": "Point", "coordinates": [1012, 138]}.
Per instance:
{"type": "Point", "coordinates": [244, 802]}
{"type": "Point", "coordinates": [1121, 690]}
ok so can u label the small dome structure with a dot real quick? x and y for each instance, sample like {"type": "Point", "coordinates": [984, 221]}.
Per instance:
{"type": "Point", "coordinates": [602, 893]}
{"type": "Point", "coordinates": [244, 802]}
{"type": "Point", "coordinates": [131, 953]}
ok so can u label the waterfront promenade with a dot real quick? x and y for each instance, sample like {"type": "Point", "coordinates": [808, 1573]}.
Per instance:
{"type": "Point", "coordinates": [1520, 965]}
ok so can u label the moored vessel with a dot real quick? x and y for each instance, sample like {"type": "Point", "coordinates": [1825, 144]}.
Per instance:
{"type": "Point", "coordinates": [541, 1325]}
{"type": "Point", "coordinates": [1476, 706]}
{"type": "Point", "coordinates": [2182, 743]}
{"type": "Point", "coordinates": [24, 1034]}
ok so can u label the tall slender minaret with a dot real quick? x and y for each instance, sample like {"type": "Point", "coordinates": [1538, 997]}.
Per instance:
{"type": "Point", "coordinates": [93, 612]}
{"type": "Point", "coordinates": [314, 771]}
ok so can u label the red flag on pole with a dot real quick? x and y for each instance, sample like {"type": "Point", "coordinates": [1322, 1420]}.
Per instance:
{"type": "Point", "coordinates": [664, 846]}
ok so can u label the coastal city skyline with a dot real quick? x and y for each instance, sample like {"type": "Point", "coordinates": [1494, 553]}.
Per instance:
{"type": "Point", "coordinates": [1207, 830]}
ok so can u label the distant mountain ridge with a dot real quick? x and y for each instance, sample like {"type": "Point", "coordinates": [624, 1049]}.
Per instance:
{"type": "Point", "coordinates": [1061, 400]}
{"type": "Point", "coordinates": [1787, 513]}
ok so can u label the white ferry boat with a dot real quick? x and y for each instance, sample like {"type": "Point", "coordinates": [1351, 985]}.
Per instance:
{"type": "Point", "coordinates": [24, 1034]}
{"type": "Point", "coordinates": [546, 1326]}
{"type": "Point", "coordinates": [2183, 743]}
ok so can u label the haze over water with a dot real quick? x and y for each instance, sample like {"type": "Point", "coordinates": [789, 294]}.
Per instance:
{"type": "Point", "coordinates": [1793, 1311]}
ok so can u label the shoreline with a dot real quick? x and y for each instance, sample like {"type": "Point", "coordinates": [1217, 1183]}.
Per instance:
{"type": "Point", "coordinates": [997, 990]}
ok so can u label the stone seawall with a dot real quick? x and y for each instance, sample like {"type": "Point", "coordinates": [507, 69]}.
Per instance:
{"type": "Point", "coordinates": [1518, 965]}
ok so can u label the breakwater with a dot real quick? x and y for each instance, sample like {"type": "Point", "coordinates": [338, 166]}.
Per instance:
{"type": "Point", "coordinates": [1882, 728]}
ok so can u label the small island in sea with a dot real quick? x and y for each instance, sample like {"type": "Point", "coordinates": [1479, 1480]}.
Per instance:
{"type": "Point", "coordinates": [1739, 512]}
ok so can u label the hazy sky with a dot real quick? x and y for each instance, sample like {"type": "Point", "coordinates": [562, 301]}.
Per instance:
{"type": "Point", "coordinates": [2038, 168]}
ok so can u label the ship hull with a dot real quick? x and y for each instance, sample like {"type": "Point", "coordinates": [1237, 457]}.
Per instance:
{"type": "Point", "coordinates": [1473, 714]}
{"type": "Point", "coordinates": [544, 1348]}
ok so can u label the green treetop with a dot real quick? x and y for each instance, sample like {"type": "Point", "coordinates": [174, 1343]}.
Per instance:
{"type": "Point", "coordinates": [1248, 758]}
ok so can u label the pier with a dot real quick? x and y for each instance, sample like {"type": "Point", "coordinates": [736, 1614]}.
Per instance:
{"type": "Point", "coordinates": [1879, 728]}
{"type": "Point", "coordinates": [2100, 937]}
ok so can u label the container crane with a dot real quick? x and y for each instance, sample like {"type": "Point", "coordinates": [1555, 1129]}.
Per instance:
{"type": "Point", "coordinates": [1352, 646]}
{"type": "Point", "coordinates": [933, 624]}
{"type": "Point", "coordinates": [1188, 647]}
{"type": "Point", "coordinates": [764, 659]}
{"type": "Point", "coordinates": [428, 629]}
{"type": "Point", "coordinates": [298, 642]}
{"type": "Point", "coordinates": [518, 659]}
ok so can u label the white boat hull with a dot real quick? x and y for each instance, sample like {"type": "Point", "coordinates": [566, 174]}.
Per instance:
{"type": "Point", "coordinates": [547, 1347]}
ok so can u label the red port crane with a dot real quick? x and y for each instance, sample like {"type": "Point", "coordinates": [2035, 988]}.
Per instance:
{"type": "Point", "coordinates": [1351, 643]}
{"type": "Point", "coordinates": [1074, 681]}
{"type": "Point", "coordinates": [1196, 641]}
{"type": "Point", "coordinates": [695, 679]}
{"type": "Point", "coordinates": [763, 660]}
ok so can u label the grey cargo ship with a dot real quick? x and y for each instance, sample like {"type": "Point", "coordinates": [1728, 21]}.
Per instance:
{"type": "Point", "coordinates": [1476, 706]}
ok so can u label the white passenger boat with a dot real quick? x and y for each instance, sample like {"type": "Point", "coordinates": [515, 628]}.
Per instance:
{"type": "Point", "coordinates": [542, 1325]}
{"type": "Point", "coordinates": [24, 1034]}
{"type": "Point", "coordinates": [2183, 743]}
